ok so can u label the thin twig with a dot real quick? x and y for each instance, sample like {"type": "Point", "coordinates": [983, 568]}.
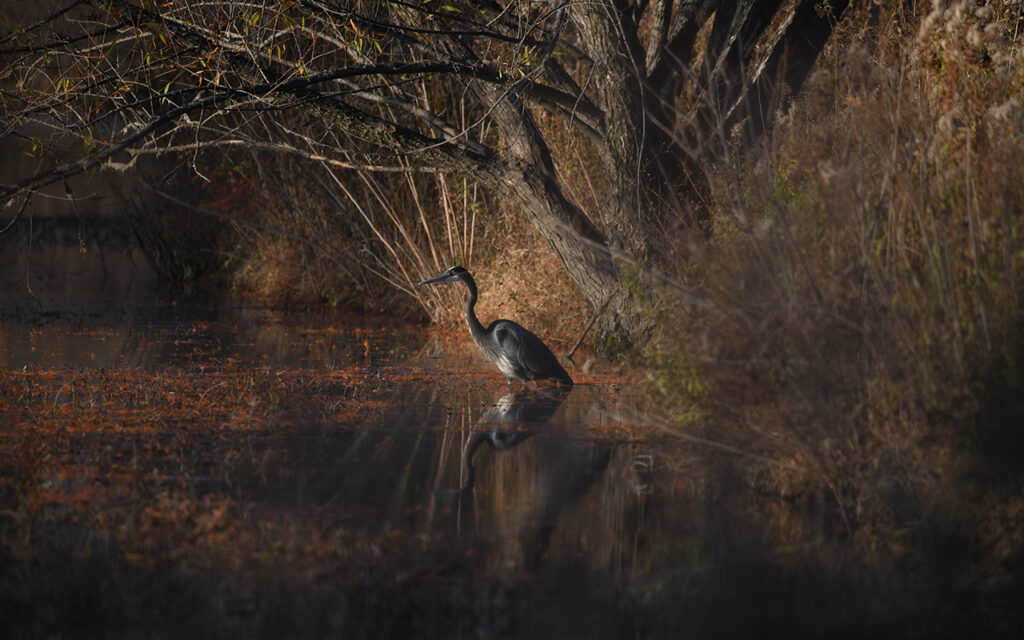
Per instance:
{"type": "Point", "coordinates": [593, 319]}
{"type": "Point", "coordinates": [28, 198]}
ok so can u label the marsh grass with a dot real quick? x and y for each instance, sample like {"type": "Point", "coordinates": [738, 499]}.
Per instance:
{"type": "Point", "coordinates": [864, 281]}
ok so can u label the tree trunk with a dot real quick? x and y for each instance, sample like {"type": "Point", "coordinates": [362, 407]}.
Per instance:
{"type": "Point", "coordinates": [527, 177]}
{"type": "Point", "coordinates": [582, 250]}
{"type": "Point", "coordinates": [610, 41]}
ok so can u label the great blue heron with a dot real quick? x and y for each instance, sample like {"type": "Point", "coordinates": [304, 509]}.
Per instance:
{"type": "Point", "coordinates": [516, 351]}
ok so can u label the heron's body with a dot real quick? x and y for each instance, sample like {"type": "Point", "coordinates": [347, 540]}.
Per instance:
{"type": "Point", "coordinates": [517, 352]}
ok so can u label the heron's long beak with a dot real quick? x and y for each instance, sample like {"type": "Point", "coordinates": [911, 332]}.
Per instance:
{"type": "Point", "coordinates": [437, 278]}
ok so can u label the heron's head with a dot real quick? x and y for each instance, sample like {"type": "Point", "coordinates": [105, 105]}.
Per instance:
{"type": "Point", "coordinates": [451, 275]}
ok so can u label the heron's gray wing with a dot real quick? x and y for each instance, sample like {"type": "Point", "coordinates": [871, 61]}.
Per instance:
{"type": "Point", "coordinates": [526, 352]}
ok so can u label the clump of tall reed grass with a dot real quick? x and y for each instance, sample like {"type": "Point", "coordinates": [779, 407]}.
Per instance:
{"type": "Point", "coordinates": [361, 240]}
{"type": "Point", "coordinates": [859, 304]}
{"type": "Point", "coordinates": [357, 239]}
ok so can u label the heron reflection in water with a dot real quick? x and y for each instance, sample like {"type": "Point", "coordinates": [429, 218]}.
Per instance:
{"type": "Point", "coordinates": [518, 507]}
{"type": "Point", "coordinates": [518, 353]}
{"type": "Point", "coordinates": [509, 422]}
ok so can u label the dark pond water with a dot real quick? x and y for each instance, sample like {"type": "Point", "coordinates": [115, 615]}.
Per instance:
{"type": "Point", "coordinates": [415, 495]}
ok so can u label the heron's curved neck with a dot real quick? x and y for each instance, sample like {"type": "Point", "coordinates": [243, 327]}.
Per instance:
{"type": "Point", "coordinates": [475, 327]}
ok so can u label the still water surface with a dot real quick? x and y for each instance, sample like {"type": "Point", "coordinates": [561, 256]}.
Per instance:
{"type": "Point", "coordinates": [467, 508]}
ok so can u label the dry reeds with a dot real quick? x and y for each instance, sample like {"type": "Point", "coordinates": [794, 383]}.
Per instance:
{"type": "Point", "coordinates": [384, 231]}
{"type": "Point", "coordinates": [865, 276]}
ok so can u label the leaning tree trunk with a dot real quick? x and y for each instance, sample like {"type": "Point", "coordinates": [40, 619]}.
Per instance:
{"type": "Point", "coordinates": [527, 177]}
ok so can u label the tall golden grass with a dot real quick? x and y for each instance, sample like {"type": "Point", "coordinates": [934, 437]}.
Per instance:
{"type": "Point", "coordinates": [862, 292]}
